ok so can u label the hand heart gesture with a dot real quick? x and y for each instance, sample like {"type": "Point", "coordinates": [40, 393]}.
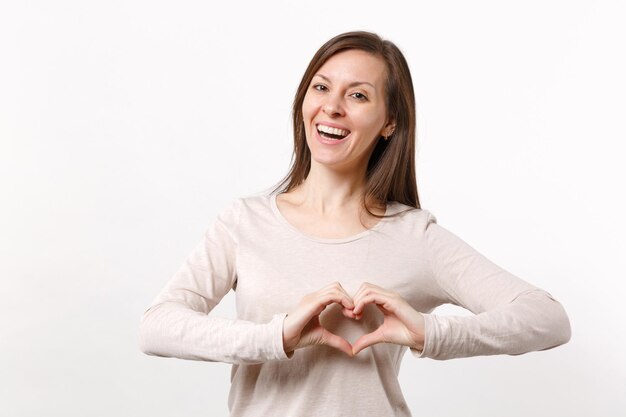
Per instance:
{"type": "Point", "coordinates": [302, 327]}
{"type": "Point", "coordinates": [402, 324]}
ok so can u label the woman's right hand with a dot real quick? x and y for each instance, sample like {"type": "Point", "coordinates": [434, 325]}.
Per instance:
{"type": "Point", "coordinates": [302, 327]}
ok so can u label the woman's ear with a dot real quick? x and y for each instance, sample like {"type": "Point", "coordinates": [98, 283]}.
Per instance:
{"type": "Point", "coordinates": [388, 130]}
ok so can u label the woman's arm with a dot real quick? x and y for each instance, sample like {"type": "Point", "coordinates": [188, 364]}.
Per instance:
{"type": "Point", "coordinates": [511, 316]}
{"type": "Point", "coordinates": [177, 323]}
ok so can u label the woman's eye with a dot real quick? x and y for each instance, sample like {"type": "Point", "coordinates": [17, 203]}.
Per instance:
{"type": "Point", "coordinates": [359, 96]}
{"type": "Point", "coordinates": [319, 87]}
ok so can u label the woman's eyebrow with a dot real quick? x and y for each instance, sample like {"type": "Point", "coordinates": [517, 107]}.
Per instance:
{"type": "Point", "coordinates": [352, 84]}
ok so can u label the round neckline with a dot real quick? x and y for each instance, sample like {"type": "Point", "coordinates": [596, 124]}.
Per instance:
{"type": "Point", "coordinates": [360, 235]}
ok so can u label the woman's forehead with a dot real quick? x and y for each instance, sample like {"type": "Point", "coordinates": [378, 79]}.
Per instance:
{"type": "Point", "coordinates": [354, 66]}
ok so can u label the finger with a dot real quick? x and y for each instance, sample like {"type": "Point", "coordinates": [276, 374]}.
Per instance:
{"type": "Point", "coordinates": [362, 288]}
{"type": "Point", "coordinates": [347, 312]}
{"type": "Point", "coordinates": [318, 301]}
{"type": "Point", "coordinates": [335, 286]}
{"type": "Point", "coordinates": [338, 297]}
{"type": "Point", "coordinates": [367, 340]}
{"type": "Point", "coordinates": [338, 287]}
{"type": "Point", "coordinates": [313, 305]}
{"type": "Point", "coordinates": [332, 340]}
{"type": "Point", "coordinates": [359, 295]}
{"type": "Point", "coordinates": [367, 288]}
{"type": "Point", "coordinates": [369, 297]}
{"type": "Point", "coordinates": [366, 285]}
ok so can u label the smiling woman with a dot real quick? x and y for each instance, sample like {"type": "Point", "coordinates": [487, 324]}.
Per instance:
{"type": "Point", "coordinates": [345, 107]}
{"type": "Point", "coordinates": [337, 275]}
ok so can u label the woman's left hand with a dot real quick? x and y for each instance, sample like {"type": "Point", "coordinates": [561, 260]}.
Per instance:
{"type": "Point", "coordinates": [402, 324]}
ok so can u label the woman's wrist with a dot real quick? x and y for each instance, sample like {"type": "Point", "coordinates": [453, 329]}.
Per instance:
{"type": "Point", "coordinates": [419, 335]}
{"type": "Point", "coordinates": [288, 345]}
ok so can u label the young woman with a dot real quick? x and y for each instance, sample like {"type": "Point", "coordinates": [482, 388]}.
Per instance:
{"type": "Point", "coordinates": [337, 275]}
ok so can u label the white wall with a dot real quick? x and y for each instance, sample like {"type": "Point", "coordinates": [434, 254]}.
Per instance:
{"type": "Point", "coordinates": [125, 126]}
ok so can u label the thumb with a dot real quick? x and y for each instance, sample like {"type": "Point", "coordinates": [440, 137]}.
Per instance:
{"type": "Point", "coordinates": [367, 340]}
{"type": "Point", "coordinates": [332, 340]}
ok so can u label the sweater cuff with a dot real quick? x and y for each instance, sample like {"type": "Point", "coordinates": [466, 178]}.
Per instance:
{"type": "Point", "coordinates": [428, 338]}
{"type": "Point", "coordinates": [276, 326]}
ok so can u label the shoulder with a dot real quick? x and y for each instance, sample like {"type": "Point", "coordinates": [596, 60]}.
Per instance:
{"type": "Point", "coordinates": [410, 219]}
{"type": "Point", "coordinates": [237, 207]}
{"type": "Point", "coordinates": [254, 208]}
{"type": "Point", "coordinates": [246, 211]}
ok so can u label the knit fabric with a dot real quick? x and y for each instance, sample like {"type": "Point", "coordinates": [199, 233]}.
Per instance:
{"type": "Point", "coordinates": [252, 249]}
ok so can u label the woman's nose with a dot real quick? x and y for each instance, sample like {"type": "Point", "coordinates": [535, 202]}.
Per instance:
{"type": "Point", "coordinates": [333, 106]}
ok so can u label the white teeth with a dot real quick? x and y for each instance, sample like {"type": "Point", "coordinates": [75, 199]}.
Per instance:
{"type": "Point", "coordinates": [332, 130]}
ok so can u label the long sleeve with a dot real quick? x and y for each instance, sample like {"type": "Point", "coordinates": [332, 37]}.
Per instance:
{"type": "Point", "coordinates": [511, 316]}
{"type": "Point", "coordinates": [177, 323]}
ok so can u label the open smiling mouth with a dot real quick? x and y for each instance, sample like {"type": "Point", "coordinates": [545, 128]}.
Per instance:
{"type": "Point", "coordinates": [332, 132]}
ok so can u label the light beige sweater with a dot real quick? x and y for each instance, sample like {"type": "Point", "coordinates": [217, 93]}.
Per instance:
{"type": "Point", "coordinates": [271, 265]}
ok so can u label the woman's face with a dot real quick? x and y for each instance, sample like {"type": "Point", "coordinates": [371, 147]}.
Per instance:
{"type": "Point", "coordinates": [344, 110]}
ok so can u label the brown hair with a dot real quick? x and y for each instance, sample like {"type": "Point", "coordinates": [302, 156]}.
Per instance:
{"type": "Point", "coordinates": [390, 174]}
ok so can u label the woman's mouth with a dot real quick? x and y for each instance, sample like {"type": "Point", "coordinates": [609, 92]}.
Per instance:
{"type": "Point", "coordinates": [332, 133]}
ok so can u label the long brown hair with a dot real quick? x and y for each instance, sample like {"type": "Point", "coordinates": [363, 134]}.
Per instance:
{"type": "Point", "coordinates": [390, 174]}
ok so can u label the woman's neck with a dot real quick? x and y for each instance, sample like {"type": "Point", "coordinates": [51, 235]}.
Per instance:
{"type": "Point", "coordinates": [331, 193]}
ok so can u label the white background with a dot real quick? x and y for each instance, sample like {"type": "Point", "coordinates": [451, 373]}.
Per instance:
{"type": "Point", "coordinates": [125, 126]}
